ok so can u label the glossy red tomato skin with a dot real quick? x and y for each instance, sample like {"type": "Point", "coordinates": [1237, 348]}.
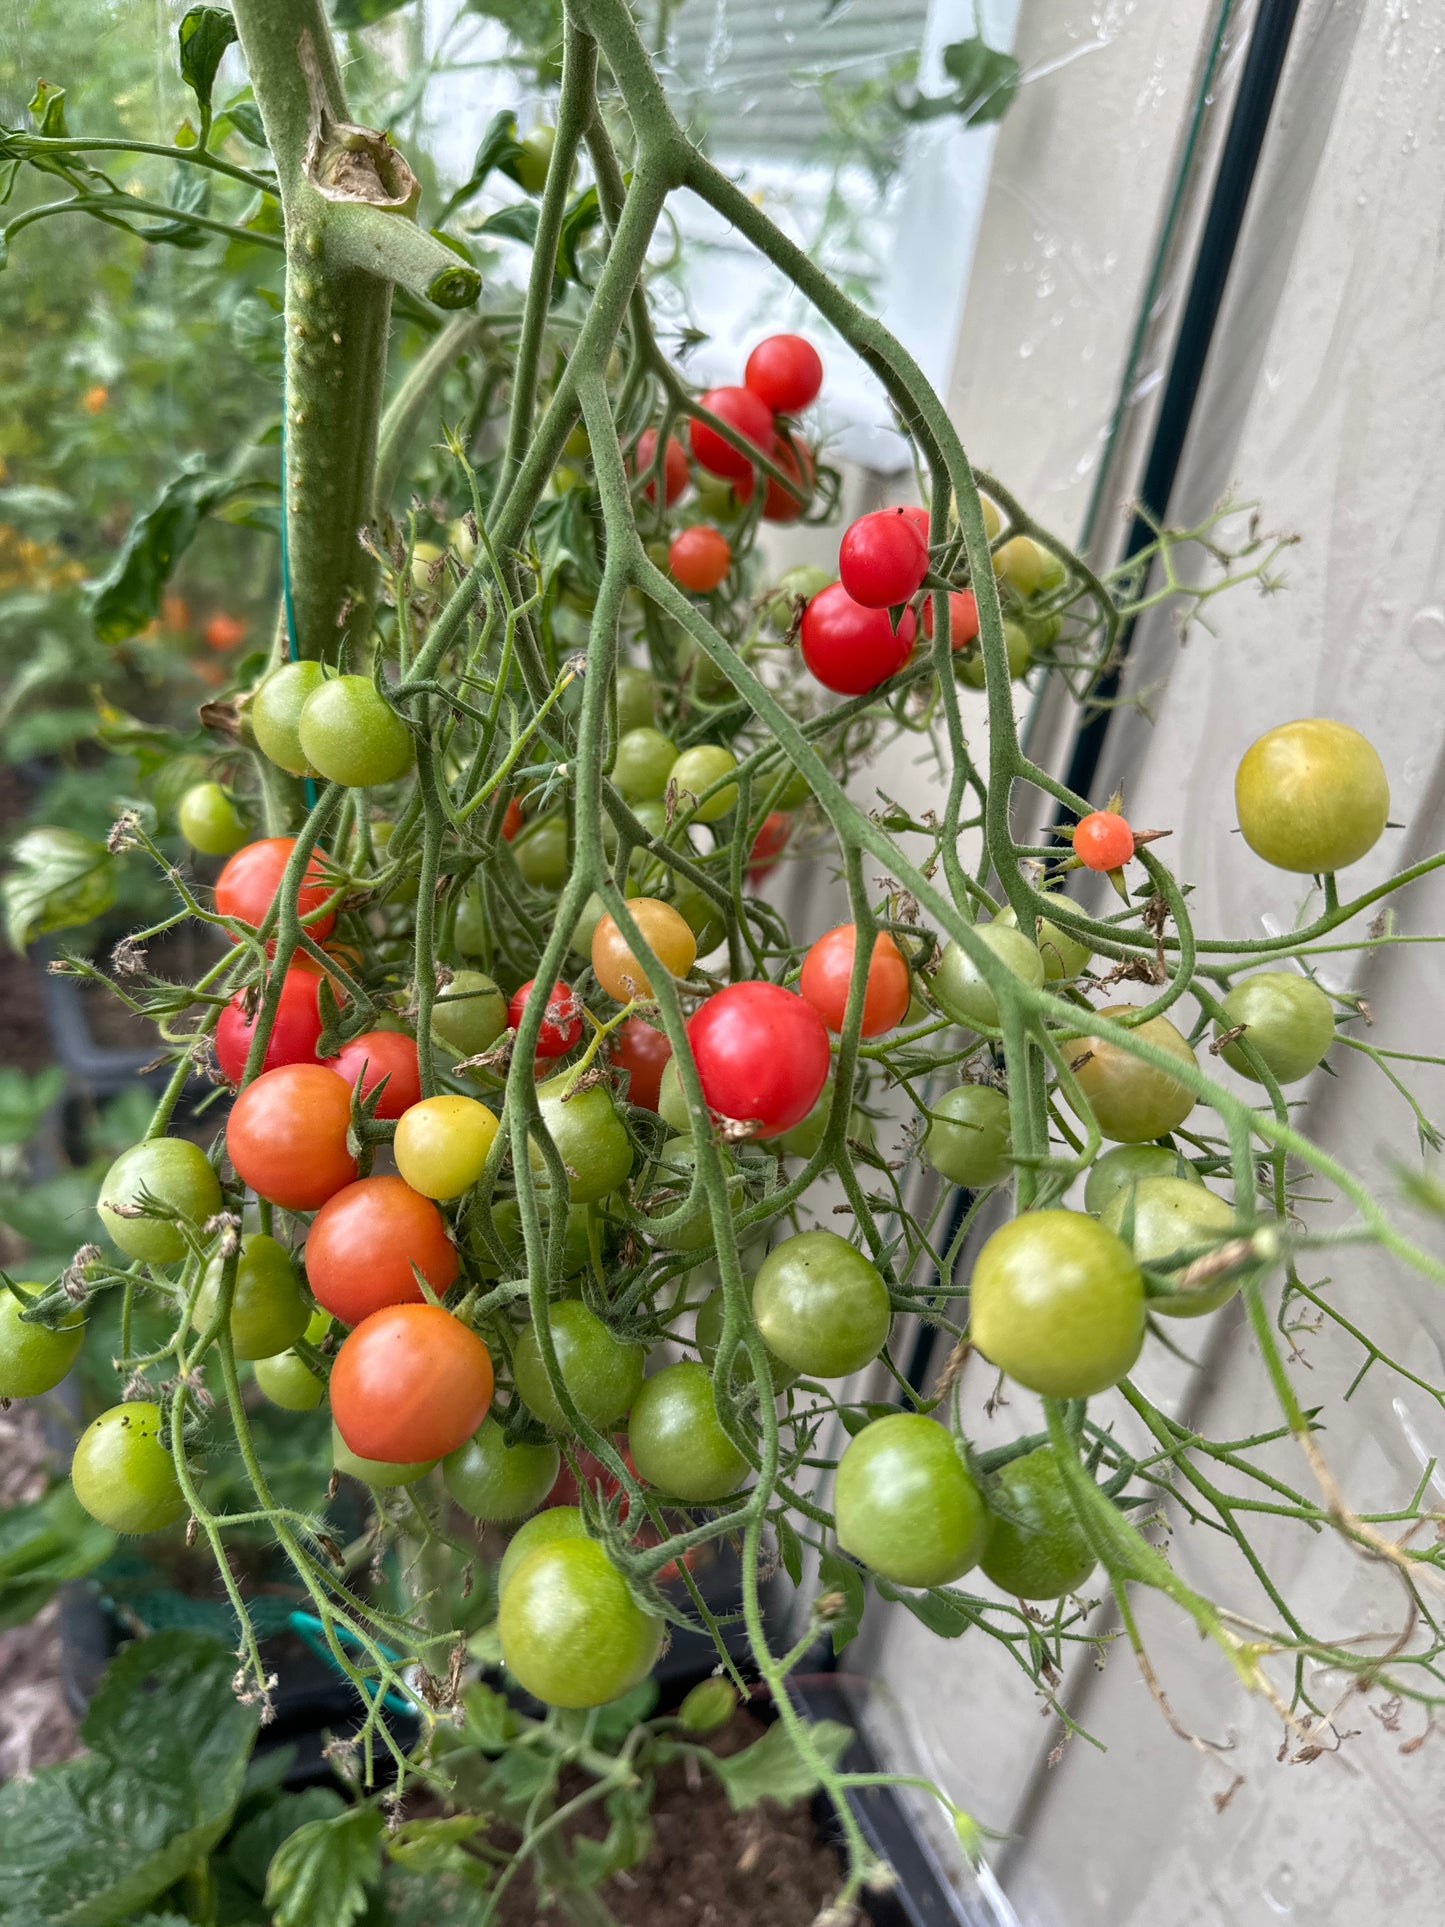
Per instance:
{"type": "Point", "coordinates": [378, 1054]}
{"type": "Point", "coordinates": [850, 649]}
{"type": "Point", "coordinates": [410, 1383]}
{"type": "Point", "coordinates": [247, 885]}
{"type": "Point", "coordinates": [675, 472]}
{"type": "Point", "coordinates": [1103, 840]}
{"type": "Point", "coordinates": [785, 372]}
{"type": "Point", "coordinates": [286, 1136]}
{"type": "Point", "coordinates": [962, 618]}
{"type": "Point", "coordinates": [742, 410]}
{"type": "Point", "coordinates": [828, 966]}
{"type": "Point", "coordinates": [762, 1054]}
{"type": "Point", "coordinates": [294, 1034]}
{"type": "Point", "coordinates": [769, 844]}
{"type": "Point", "coordinates": [511, 820]}
{"type": "Point", "coordinates": [882, 559]}
{"type": "Point", "coordinates": [363, 1243]}
{"type": "Point", "coordinates": [641, 1050]}
{"type": "Point", "coordinates": [561, 1027]}
{"type": "Point", "coordinates": [778, 504]}
{"type": "Point", "coordinates": [699, 558]}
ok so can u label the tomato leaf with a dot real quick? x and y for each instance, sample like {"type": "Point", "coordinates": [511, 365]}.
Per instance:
{"type": "Point", "coordinates": [324, 1870]}
{"type": "Point", "coordinates": [628, 1837]}
{"type": "Point", "coordinates": [203, 36]}
{"type": "Point", "coordinates": [435, 1846]}
{"type": "Point", "coordinates": [790, 1547]}
{"type": "Point", "coordinates": [950, 1618]}
{"type": "Point", "coordinates": [244, 115]}
{"type": "Point", "coordinates": [47, 110]}
{"type": "Point", "coordinates": [58, 879]}
{"type": "Point", "coordinates": [351, 14]}
{"type": "Point", "coordinates": [98, 1838]}
{"type": "Point", "coordinates": [581, 217]}
{"type": "Point", "coordinates": [41, 1545]}
{"type": "Point", "coordinates": [499, 148]}
{"type": "Point", "coordinates": [772, 1768]}
{"type": "Point", "coordinates": [985, 81]}
{"type": "Point", "coordinates": [124, 600]}
{"type": "Point", "coordinates": [839, 1575]}
{"type": "Point", "coordinates": [255, 1845]}
{"type": "Point", "coordinates": [517, 221]}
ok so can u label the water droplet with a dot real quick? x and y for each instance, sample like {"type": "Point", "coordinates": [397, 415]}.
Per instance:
{"type": "Point", "coordinates": [1426, 634]}
{"type": "Point", "coordinates": [1278, 1890]}
{"type": "Point", "coordinates": [1026, 348]}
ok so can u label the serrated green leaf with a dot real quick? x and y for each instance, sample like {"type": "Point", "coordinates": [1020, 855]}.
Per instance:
{"type": "Point", "coordinates": [324, 1871]}
{"type": "Point", "coordinates": [490, 1721]}
{"type": "Point", "coordinates": [57, 880]}
{"type": "Point", "coordinates": [616, 1719]}
{"type": "Point", "coordinates": [985, 79]}
{"type": "Point", "coordinates": [772, 1768]}
{"type": "Point", "coordinates": [515, 222]}
{"type": "Point", "coordinates": [583, 214]}
{"type": "Point", "coordinates": [839, 1575]}
{"type": "Point", "coordinates": [627, 1840]}
{"type": "Point", "coordinates": [129, 596]}
{"type": "Point", "coordinates": [204, 35]}
{"type": "Point", "coordinates": [435, 1846]}
{"type": "Point", "coordinates": [90, 1842]}
{"type": "Point", "coordinates": [255, 1845]}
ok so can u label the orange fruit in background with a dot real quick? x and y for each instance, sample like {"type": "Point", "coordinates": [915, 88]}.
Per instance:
{"type": "Point", "coordinates": [224, 632]}
{"type": "Point", "coordinates": [94, 399]}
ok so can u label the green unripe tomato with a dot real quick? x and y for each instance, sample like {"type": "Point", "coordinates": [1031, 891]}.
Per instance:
{"type": "Point", "coordinates": [578, 445]}
{"type": "Point", "coordinates": [968, 663]}
{"type": "Point", "coordinates": [1312, 796]}
{"type": "Point", "coordinates": [350, 734]}
{"type": "Point", "coordinates": [717, 499]}
{"type": "Point", "coordinates": [695, 772]}
{"type": "Point", "coordinates": [540, 852]}
{"type": "Point", "coordinates": [571, 1633]}
{"type": "Point", "coordinates": [287, 1380]}
{"type": "Point", "coordinates": [958, 986]}
{"type": "Point", "coordinates": [1057, 1302]}
{"type": "Point", "coordinates": [210, 821]}
{"type": "Point", "coordinates": [122, 1471]}
{"type": "Point", "coordinates": [671, 1100]}
{"type": "Point", "coordinates": [968, 1139]}
{"type": "Point", "coordinates": [1020, 562]}
{"type": "Point", "coordinates": [708, 1329]}
{"type": "Point", "coordinates": [542, 1529]}
{"type": "Point", "coordinates": [709, 1706]}
{"type": "Point", "coordinates": [470, 1014]}
{"type": "Point", "coordinates": [1042, 631]}
{"type": "Point", "coordinates": [1288, 1020]}
{"type": "Point", "coordinates": [676, 1164]}
{"type": "Point", "coordinates": [906, 1504]}
{"type": "Point", "coordinates": [1037, 1548]}
{"type": "Point", "coordinates": [603, 1375]}
{"type": "Point", "coordinates": [591, 914]}
{"type": "Point", "coordinates": [176, 1173]}
{"type": "Point", "coordinates": [380, 1473]}
{"type": "Point", "coordinates": [268, 1312]}
{"type": "Point", "coordinates": [806, 1136]}
{"type": "Point", "coordinates": [275, 714]}
{"type": "Point", "coordinates": [424, 558]}
{"type": "Point", "coordinates": [33, 1358]}
{"type": "Point", "coordinates": [1064, 956]}
{"type": "Point", "coordinates": [677, 1440]}
{"type": "Point", "coordinates": [534, 157]}
{"type": "Point", "coordinates": [636, 698]}
{"type": "Point", "coordinates": [793, 794]}
{"type": "Point", "coordinates": [821, 1305]}
{"type": "Point", "coordinates": [793, 586]}
{"type": "Point", "coordinates": [701, 916]}
{"type": "Point", "coordinates": [590, 1136]}
{"type": "Point", "coordinates": [469, 929]}
{"type": "Point", "coordinates": [507, 1223]}
{"type": "Point", "coordinates": [407, 885]}
{"type": "Point", "coordinates": [492, 1479]}
{"type": "Point", "coordinates": [643, 763]}
{"type": "Point", "coordinates": [1172, 1216]}
{"type": "Point", "coordinates": [1123, 1167]}
{"type": "Point", "coordinates": [1131, 1100]}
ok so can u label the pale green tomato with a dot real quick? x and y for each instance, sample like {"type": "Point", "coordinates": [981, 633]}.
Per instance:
{"type": "Point", "coordinates": [671, 1100]}
{"type": "Point", "coordinates": [792, 588]}
{"type": "Point", "coordinates": [381, 1473]}
{"type": "Point", "coordinates": [602, 1374]}
{"type": "Point", "coordinates": [1056, 1301]}
{"type": "Point", "coordinates": [958, 986]}
{"type": "Point", "coordinates": [1171, 1216]}
{"type": "Point", "coordinates": [695, 772]}
{"type": "Point", "coordinates": [1288, 1020]}
{"type": "Point", "coordinates": [350, 734]}
{"type": "Point", "coordinates": [274, 714]}
{"type": "Point", "coordinates": [590, 1137]}
{"type": "Point", "coordinates": [677, 1440]}
{"type": "Point", "coordinates": [543, 1528]}
{"type": "Point", "coordinates": [821, 1305]}
{"type": "Point", "coordinates": [701, 915]}
{"type": "Point", "coordinates": [804, 1138]}
{"type": "Point", "coordinates": [968, 663]}
{"type": "Point", "coordinates": [708, 1332]}
{"type": "Point", "coordinates": [1064, 956]}
{"type": "Point", "coordinates": [33, 1358]}
{"type": "Point", "coordinates": [470, 1014]}
{"type": "Point", "coordinates": [123, 1473]}
{"type": "Point", "coordinates": [1312, 796]}
{"type": "Point", "coordinates": [1131, 1100]}
{"type": "Point", "coordinates": [493, 1479]}
{"type": "Point", "coordinates": [635, 698]}
{"type": "Point", "coordinates": [1020, 562]}
{"type": "Point", "coordinates": [424, 557]}
{"type": "Point", "coordinates": [968, 1139]}
{"type": "Point", "coordinates": [1124, 1167]}
{"type": "Point", "coordinates": [268, 1312]}
{"type": "Point", "coordinates": [469, 930]}
{"type": "Point", "coordinates": [642, 764]}
{"type": "Point", "coordinates": [210, 821]}
{"type": "Point", "coordinates": [540, 852]}
{"type": "Point", "coordinates": [1037, 1548]}
{"type": "Point", "coordinates": [171, 1170]}
{"type": "Point", "coordinates": [592, 913]}
{"type": "Point", "coordinates": [671, 1183]}
{"type": "Point", "coordinates": [906, 1504]}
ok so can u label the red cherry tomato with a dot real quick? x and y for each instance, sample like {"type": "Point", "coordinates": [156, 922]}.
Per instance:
{"type": "Point", "coordinates": [675, 472]}
{"type": "Point", "coordinates": [741, 409]}
{"type": "Point", "coordinates": [962, 618]}
{"type": "Point", "coordinates": [699, 558]}
{"type": "Point", "coordinates": [918, 516]}
{"type": "Point", "coordinates": [1103, 841]}
{"type": "Point", "coordinates": [786, 372]}
{"type": "Point", "coordinates": [294, 1034]}
{"type": "Point", "coordinates": [511, 820]}
{"type": "Point", "coordinates": [411, 1383]}
{"type": "Point", "coordinates": [378, 1054]}
{"type": "Point", "coordinates": [762, 1055]}
{"type": "Point", "coordinates": [286, 1136]}
{"type": "Point", "coordinates": [642, 1051]}
{"type": "Point", "coordinates": [768, 844]}
{"type": "Point", "coordinates": [778, 504]}
{"type": "Point", "coordinates": [561, 1027]}
{"type": "Point", "coordinates": [224, 632]}
{"type": "Point", "coordinates": [828, 966]}
{"type": "Point", "coordinates": [883, 558]}
{"type": "Point", "coordinates": [851, 649]}
{"type": "Point", "coordinates": [247, 886]}
{"type": "Point", "coordinates": [363, 1243]}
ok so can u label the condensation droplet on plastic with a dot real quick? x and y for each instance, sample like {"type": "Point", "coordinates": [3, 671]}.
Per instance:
{"type": "Point", "coordinates": [1277, 1891]}
{"type": "Point", "coordinates": [1426, 633]}
{"type": "Point", "coordinates": [1026, 348]}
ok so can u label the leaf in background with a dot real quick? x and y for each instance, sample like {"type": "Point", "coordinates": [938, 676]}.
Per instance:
{"type": "Point", "coordinates": [435, 1846]}
{"type": "Point", "coordinates": [515, 222]}
{"type": "Point", "coordinates": [95, 1840]}
{"type": "Point", "coordinates": [57, 880]}
{"type": "Point", "coordinates": [323, 1871]}
{"type": "Point", "coordinates": [204, 35]}
{"type": "Point", "coordinates": [351, 14]}
{"type": "Point", "coordinates": [616, 1719]}
{"type": "Point", "coordinates": [840, 1576]}
{"type": "Point", "coordinates": [581, 217]}
{"type": "Point", "coordinates": [129, 596]}
{"type": "Point", "coordinates": [628, 1837]}
{"type": "Point", "coordinates": [254, 1846]}
{"type": "Point", "coordinates": [190, 194]}
{"type": "Point", "coordinates": [47, 110]}
{"type": "Point", "coordinates": [41, 512]}
{"type": "Point", "coordinates": [772, 1768]}
{"type": "Point", "coordinates": [985, 83]}
{"type": "Point", "coordinates": [245, 116]}
{"type": "Point", "coordinates": [940, 1614]}
{"type": "Point", "coordinates": [42, 1544]}
{"type": "Point", "coordinates": [499, 148]}
{"type": "Point", "coordinates": [24, 1100]}
{"type": "Point", "coordinates": [790, 1548]}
